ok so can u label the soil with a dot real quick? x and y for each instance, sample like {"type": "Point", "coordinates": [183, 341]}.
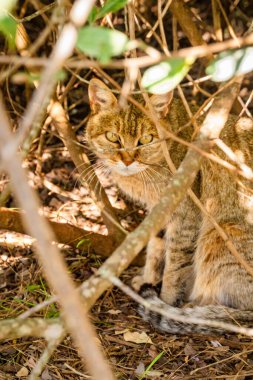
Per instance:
{"type": "Point", "coordinates": [53, 175]}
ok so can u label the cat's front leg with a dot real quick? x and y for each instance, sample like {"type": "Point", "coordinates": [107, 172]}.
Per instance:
{"type": "Point", "coordinates": [153, 269]}
{"type": "Point", "coordinates": [181, 235]}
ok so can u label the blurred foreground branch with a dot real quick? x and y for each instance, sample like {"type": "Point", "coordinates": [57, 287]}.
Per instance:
{"type": "Point", "coordinates": [74, 313]}
{"type": "Point", "coordinates": [143, 61]}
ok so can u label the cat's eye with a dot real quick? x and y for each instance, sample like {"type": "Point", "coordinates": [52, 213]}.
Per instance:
{"type": "Point", "coordinates": [145, 139]}
{"type": "Point", "coordinates": [111, 136]}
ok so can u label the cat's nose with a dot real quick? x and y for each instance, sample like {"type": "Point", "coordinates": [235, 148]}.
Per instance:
{"type": "Point", "coordinates": [127, 162]}
{"type": "Point", "coordinates": [126, 158]}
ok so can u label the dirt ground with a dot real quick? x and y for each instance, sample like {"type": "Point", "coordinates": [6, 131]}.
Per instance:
{"type": "Point", "coordinates": [52, 173]}
{"type": "Point", "coordinates": [114, 315]}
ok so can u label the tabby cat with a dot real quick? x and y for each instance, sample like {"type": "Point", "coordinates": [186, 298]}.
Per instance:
{"type": "Point", "coordinates": [192, 260]}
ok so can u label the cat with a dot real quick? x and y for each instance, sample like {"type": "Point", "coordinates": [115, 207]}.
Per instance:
{"type": "Point", "coordinates": [192, 261]}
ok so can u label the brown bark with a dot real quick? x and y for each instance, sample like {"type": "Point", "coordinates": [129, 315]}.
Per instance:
{"type": "Point", "coordinates": [82, 163]}
{"type": "Point", "coordinates": [66, 233]}
{"type": "Point", "coordinates": [185, 17]}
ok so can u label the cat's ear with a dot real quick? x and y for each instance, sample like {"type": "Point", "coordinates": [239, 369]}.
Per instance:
{"type": "Point", "coordinates": [100, 96]}
{"type": "Point", "coordinates": [161, 104]}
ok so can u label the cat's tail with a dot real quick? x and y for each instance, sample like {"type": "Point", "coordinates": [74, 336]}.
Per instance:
{"type": "Point", "coordinates": [216, 317]}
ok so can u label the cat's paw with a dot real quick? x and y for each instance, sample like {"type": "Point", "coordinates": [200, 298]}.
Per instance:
{"type": "Point", "coordinates": [149, 291]}
{"type": "Point", "coordinates": [137, 282]}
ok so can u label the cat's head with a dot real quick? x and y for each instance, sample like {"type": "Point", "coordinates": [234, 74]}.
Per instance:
{"type": "Point", "coordinates": [124, 138]}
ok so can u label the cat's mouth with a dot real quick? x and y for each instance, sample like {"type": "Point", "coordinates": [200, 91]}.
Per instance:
{"type": "Point", "coordinates": [126, 170]}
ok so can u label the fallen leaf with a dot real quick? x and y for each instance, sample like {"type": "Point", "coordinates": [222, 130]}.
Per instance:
{"type": "Point", "coordinates": [120, 332]}
{"type": "Point", "coordinates": [140, 369]}
{"type": "Point", "coordinates": [154, 374]}
{"type": "Point", "coordinates": [136, 337]}
{"type": "Point", "coordinates": [31, 362]}
{"type": "Point", "coordinates": [152, 351]}
{"type": "Point", "coordinates": [23, 372]}
{"type": "Point", "coordinates": [216, 343]}
{"type": "Point", "coordinates": [46, 375]}
{"type": "Point", "coordinates": [113, 312]}
{"type": "Point", "coordinates": [189, 350]}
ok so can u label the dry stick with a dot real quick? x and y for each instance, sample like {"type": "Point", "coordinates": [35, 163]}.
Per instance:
{"type": "Point", "coordinates": [158, 217]}
{"type": "Point", "coordinates": [81, 162]}
{"type": "Point", "coordinates": [194, 52]}
{"type": "Point", "coordinates": [73, 313]}
{"type": "Point", "coordinates": [162, 134]}
{"type": "Point", "coordinates": [216, 20]}
{"type": "Point", "coordinates": [170, 314]}
{"type": "Point", "coordinates": [32, 50]}
{"type": "Point", "coordinates": [185, 17]}
{"type": "Point", "coordinates": [161, 27]}
{"type": "Point", "coordinates": [44, 358]}
{"type": "Point", "coordinates": [61, 52]}
{"type": "Point", "coordinates": [181, 12]}
{"type": "Point", "coordinates": [149, 35]}
{"type": "Point", "coordinates": [65, 233]}
{"type": "Point", "coordinates": [229, 26]}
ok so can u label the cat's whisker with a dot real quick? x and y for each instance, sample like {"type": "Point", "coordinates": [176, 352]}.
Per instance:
{"type": "Point", "coordinates": [152, 182]}
{"type": "Point", "coordinates": [145, 183]}
{"type": "Point", "coordinates": [90, 179]}
{"type": "Point", "coordinates": [158, 166]}
{"type": "Point", "coordinates": [88, 171]}
{"type": "Point", "coordinates": [157, 175]}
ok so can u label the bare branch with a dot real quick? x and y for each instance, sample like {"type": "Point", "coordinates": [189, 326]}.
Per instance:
{"type": "Point", "coordinates": [61, 52]}
{"type": "Point", "coordinates": [144, 61]}
{"type": "Point", "coordinates": [55, 269]}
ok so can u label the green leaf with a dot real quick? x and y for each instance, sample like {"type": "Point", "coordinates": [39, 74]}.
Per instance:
{"type": "Point", "coordinates": [110, 6]}
{"type": "Point", "coordinates": [231, 63]}
{"type": "Point", "coordinates": [83, 242]}
{"type": "Point", "coordinates": [8, 27]}
{"type": "Point", "coordinates": [165, 76]}
{"type": "Point", "coordinates": [52, 312]}
{"type": "Point", "coordinates": [101, 43]}
{"type": "Point", "coordinates": [93, 14]}
{"type": "Point", "coordinates": [32, 287]}
{"type": "Point", "coordinates": [145, 373]}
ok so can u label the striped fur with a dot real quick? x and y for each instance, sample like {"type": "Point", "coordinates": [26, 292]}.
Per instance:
{"type": "Point", "coordinates": [193, 263]}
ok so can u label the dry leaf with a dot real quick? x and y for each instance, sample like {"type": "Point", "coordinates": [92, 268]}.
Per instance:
{"type": "Point", "coordinates": [154, 374]}
{"type": "Point", "coordinates": [136, 337]}
{"type": "Point", "coordinates": [23, 372]}
{"type": "Point", "coordinates": [119, 332]}
{"type": "Point", "coordinates": [189, 350]}
{"type": "Point", "coordinates": [140, 369]}
{"type": "Point", "coordinates": [46, 375]}
{"type": "Point", "coordinates": [113, 312]}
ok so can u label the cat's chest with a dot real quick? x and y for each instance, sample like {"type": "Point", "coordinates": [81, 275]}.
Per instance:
{"type": "Point", "coordinates": [141, 188]}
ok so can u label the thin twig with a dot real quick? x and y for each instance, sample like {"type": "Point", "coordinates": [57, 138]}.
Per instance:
{"type": "Point", "coordinates": [169, 312]}
{"type": "Point", "coordinates": [74, 314]}
{"type": "Point", "coordinates": [44, 358]}
{"type": "Point", "coordinates": [144, 61]}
